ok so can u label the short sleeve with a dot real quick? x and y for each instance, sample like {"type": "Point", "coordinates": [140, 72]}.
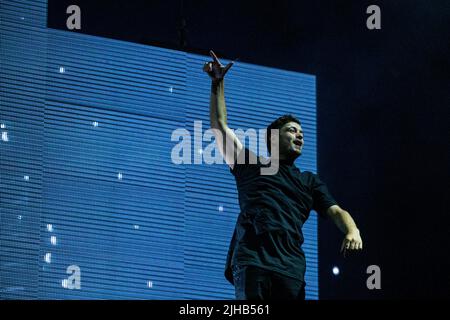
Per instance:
{"type": "Point", "coordinates": [244, 161]}
{"type": "Point", "coordinates": [322, 199]}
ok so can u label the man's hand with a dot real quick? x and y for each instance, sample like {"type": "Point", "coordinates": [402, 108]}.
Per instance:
{"type": "Point", "coordinates": [345, 223]}
{"type": "Point", "coordinates": [215, 69]}
{"type": "Point", "coordinates": [352, 242]}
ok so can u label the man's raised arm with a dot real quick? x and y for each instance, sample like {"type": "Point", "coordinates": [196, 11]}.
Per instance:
{"type": "Point", "coordinates": [227, 141]}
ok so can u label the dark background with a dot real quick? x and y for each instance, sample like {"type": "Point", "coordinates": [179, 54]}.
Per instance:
{"type": "Point", "coordinates": [382, 99]}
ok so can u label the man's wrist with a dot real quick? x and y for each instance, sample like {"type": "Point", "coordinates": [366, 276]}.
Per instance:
{"type": "Point", "coordinates": [216, 84]}
{"type": "Point", "coordinates": [353, 230]}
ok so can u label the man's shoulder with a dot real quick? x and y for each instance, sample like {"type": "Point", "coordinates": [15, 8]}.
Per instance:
{"type": "Point", "coordinates": [248, 157]}
{"type": "Point", "coordinates": [308, 177]}
{"type": "Point", "coordinates": [247, 162]}
{"type": "Point", "coordinates": [308, 174]}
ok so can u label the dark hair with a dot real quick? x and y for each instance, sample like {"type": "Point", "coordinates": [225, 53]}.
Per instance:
{"type": "Point", "coordinates": [277, 124]}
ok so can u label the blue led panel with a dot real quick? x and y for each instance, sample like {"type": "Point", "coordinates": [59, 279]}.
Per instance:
{"type": "Point", "coordinates": [92, 204]}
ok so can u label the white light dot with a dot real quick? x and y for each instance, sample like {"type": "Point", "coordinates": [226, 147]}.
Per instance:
{"type": "Point", "coordinates": [95, 123]}
{"type": "Point", "coordinates": [136, 227]}
{"type": "Point", "coordinates": [171, 89]}
{"type": "Point", "coordinates": [64, 283]}
{"type": "Point", "coordinates": [3, 126]}
{"type": "Point", "coordinates": [53, 240]}
{"type": "Point", "coordinates": [5, 136]}
{"type": "Point", "coordinates": [49, 227]}
{"type": "Point", "coordinates": [48, 257]}
{"type": "Point", "coordinates": [19, 217]}
{"type": "Point", "coordinates": [119, 176]}
{"type": "Point", "coordinates": [200, 151]}
{"type": "Point", "coordinates": [150, 284]}
{"type": "Point", "coordinates": [220, 208]}
{"type": "Point", "coordinates": [22, 18]}
{"type": "Point", "coordinates": [26, 178]}
{"type": "Point", "coordinates": [335, 271]}
{"type": "Point", "coordinates": [62, 69]}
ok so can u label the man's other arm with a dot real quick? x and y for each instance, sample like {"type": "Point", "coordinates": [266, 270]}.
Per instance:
{"type": "Point", "coordinates": [347, 225]}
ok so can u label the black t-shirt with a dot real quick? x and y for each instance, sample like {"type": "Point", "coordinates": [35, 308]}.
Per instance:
{"type": "Point", "coordinates": [268, 232]}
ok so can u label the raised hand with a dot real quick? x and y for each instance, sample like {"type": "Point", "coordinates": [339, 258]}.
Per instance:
{"type": "Point", "coordinates": [215, 70]}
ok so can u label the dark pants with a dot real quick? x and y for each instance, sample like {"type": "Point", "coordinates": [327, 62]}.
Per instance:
{"type": "Point", "coordinates": [253, 283]}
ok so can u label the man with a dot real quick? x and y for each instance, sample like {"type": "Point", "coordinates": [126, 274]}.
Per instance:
{"type": "Point", "coordinates": [265, 259]}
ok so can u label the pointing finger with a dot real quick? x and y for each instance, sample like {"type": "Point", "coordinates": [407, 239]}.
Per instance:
{"type": "Point", "coordinates": [213, 55]}
{"type": "Point", "coordinates": [343, 246]}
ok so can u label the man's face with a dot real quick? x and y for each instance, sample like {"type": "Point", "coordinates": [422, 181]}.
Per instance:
{"type": "Point", "coordinates": [291, 140]}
